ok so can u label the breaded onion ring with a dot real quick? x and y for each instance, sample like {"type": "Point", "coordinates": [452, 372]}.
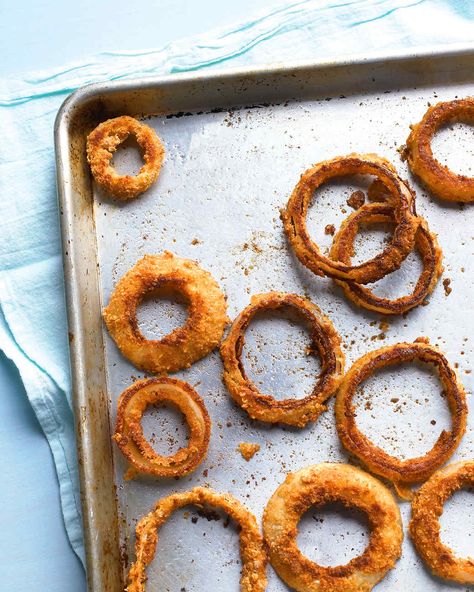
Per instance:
{"type": "Point", "coordinates": [308, 252]}
{"type": "Point", "coordinates": [427, 508]}
{"type": "Point", "coordinates": [104, 140]}
{"type": "Point", "coordinates": [439, 179]}
{"type": "Point", "coordinates": [179, 349]}
{"type": "Point", "coordinates": [425, 242]}
{"type": "Point", "coordinates": [129, 433]}
{"type": "Point", "coordinates": [324, 340]}
{"type": "Point", "coordinates": [400, 472]}
{"type": "Point", "coordinates": [318, 485]}
{"type": "Point", "coordinates": [252, 550]}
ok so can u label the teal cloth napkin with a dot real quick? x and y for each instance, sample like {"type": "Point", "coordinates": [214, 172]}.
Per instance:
{"type": "Point", "coordinates": [33, 328]}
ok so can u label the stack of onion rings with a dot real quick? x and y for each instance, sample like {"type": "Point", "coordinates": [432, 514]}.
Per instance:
{"type": "Point", "coordinates": [318, 485]}
{"type": "Point", "coordinates": [439, 179]}
{"type": "Point", "coordinates": [427, 508]}
{"type": "Point", "coordinates": [104, 140]}
{"type": "Point", "coordinates": [425, 242]}
{"type": "Point", "coordinates": [325, 341]}
{"type": "Point", "coordinates": [200, 334]}
{"type": "Point", "coordinates": [129, 433]}
{"type": "Point", "coordinates": [402, 198]}
{"type": "Point", "coordinates": [413, 470]}
{"type": "Point", "coordinates": [252, 549]}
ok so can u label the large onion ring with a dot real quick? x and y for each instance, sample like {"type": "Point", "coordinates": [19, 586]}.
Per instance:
{"type": "Point", "coordinates": [439, 179]}
{"type": "Point", "coordinates": [318, 485]}
{"type": "Point", "coordinates": [427, 508]}
{"type": "Point", "coordinates": [129, 433]}
{"type": "Point", "coordinates": [200, 334]}
{"type": "Point", "coordinates": [325, 340]}
{"type": "Point", "coordinates": [308, 252]}
{"type": "Point", "coordinates": [425, 242]}
{"type": "Point", "coordinates": [252, 550]}
{"type": "Point", "coordinates": [104, 140]}
{"type": "Point", "coordinates": [412, 470]}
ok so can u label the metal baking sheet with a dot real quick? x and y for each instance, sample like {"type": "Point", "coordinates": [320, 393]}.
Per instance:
{"type": "Point", "coordinates": [236, 143]}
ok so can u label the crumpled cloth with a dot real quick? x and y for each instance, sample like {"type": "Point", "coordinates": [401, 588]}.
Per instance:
{"type": "Point", "coordinates": [33, 327]}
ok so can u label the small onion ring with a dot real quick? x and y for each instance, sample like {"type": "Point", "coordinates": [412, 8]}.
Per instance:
{"type": "Point", "coordinates": [318, 485]}
{"type": "Point", "coordinates": [439, 179]}
{"type": "Point", "coordinates": [252, 550]}
{"type": "Point", "coordinates": [427, 508]}
{"type": "Point", "coordinates": [325, 340]}
{"type": "Point", "coordinates": [104, 140]}
{"type": "Point", "coordinates": [129, 432]}
{"type": "Point", "coordinates": [200, 334]}
{"type": "Point", "coordinates": [425, 242]}
{"type": "Point", "coordinates": [400, 472]}
{"type": "Point", "coordinates": [308, 252]}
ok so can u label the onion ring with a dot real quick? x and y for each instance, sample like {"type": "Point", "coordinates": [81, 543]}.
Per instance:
{"type": "Point", "coordinates": [252, 550]}
{"type": "Point", "coordinates": [308, 252]}
{"type": "Point", "coordinates": [179, 349]}
{"type": "Point", "coordinates": [104, 140]}
{"type": "Point", "coordinates": [325, 340]}
{"type": "Point", "coordinates": [129, 433]}
{"type": "Point", "coordinates": [439, 179]}
{"type": "Point", "coordinates": [400, 472]}
{"type": "Point", "coordinates": [317, 485]}
{"type": "Point", "coordinates": [425, 242]}
{"type": "Point", "coordinates": [427, 508]}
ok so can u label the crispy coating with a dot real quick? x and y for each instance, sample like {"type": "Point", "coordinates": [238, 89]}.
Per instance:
{"type": "Point", "coordinates": [427, 508]}
{"type": "Point", "coordinates": [163, 274]}
{"type": "Point", "coordinates": [425, 242]}
{"type": "Point", "coordinates": [252, 549]}
{"type": "Point", "coordinates": [439, 179]}
{"type": "Point", "coordinates": [400, 472]}
{"type": "Point", "coordinates": [308, 252]}
{"type": "Point", "coordinates": [315, 486]}
{"type": "Point", "coordinates": [324, 340]}
{"type": "Point", "coordinates": [104, 140]}
{"type": "Point", "coordinates": [248, 450]}
{"type": "Point", "coordinates": [129, 432]}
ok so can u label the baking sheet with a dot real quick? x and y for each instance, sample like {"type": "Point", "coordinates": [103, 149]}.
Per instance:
{"type": "Point", "coordinates": [225, 177]}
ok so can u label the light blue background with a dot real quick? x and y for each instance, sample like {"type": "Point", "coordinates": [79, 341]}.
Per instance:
{"type": "Point", "coordinates": [35, 554]}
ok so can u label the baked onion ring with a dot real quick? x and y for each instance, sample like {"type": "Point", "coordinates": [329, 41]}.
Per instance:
{"type": "Point", "coordinates": [324, 340]}
{"type": "Point", "coordinates": [252, 550]}
{"type": "Point", "coordinates": [200, 334]}
{"type": "Point", "coordinates": [400, 472]}
{"type": "Point", "coordinates": [439, 179]}
{"type": "Point", "coordinates": [318, 485]}
{"type": "Point", "coordinates": [294, 219]}
{"type": "Point", "coordinates": [425, 242]}
{"type": "Point", "coordinates": [104, 140]}
{"type": "Point", "coordinates": [129, 433]}
{"type": "Point", "coordinates": [427, 508]}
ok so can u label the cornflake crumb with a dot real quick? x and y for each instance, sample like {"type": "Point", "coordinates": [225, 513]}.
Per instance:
{"type": "Point", "coordinates": [356, 200]}
{"type": "Point", "coordinates": [447, 287]}
{"type": "Point", "coordinates": [248, 450]}
{"type": "Point", "coordinates": [330, 229]}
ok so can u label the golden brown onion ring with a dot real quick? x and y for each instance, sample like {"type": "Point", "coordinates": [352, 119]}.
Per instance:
{"type": "Point", "coordinates": [318, 485]}
{"type": "Point", "coordinates": [104, 140]}
{"type": "Point", "coordinates": [427, 508]}
{"type": "Point", "coordinates": [129, 433]}
{"type": "Point", "coordinates": [439, 179]}
{"type": "Point", "coordinates": [163, 274]}
{"type": "Point", "coordinates": [308, 252]}
{"type": "Point", "coordinates": [400, 472]}
{"type": "Point", "coordinates": [324, 340]}
{"type": "Point", "coordinates": [425, 242]}
{"type": "Point", "coordinates": [252, 550]}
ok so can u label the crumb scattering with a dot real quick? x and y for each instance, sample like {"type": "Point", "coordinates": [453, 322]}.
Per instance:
{"type": "Point", "coordinates": [248, 450]}
{"type": "Point", "coordinates": [447, 286]}
{"type": "Point", "coordinates": [330, 229]}
{"type": "Point", "coordinates": [356, 200]}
